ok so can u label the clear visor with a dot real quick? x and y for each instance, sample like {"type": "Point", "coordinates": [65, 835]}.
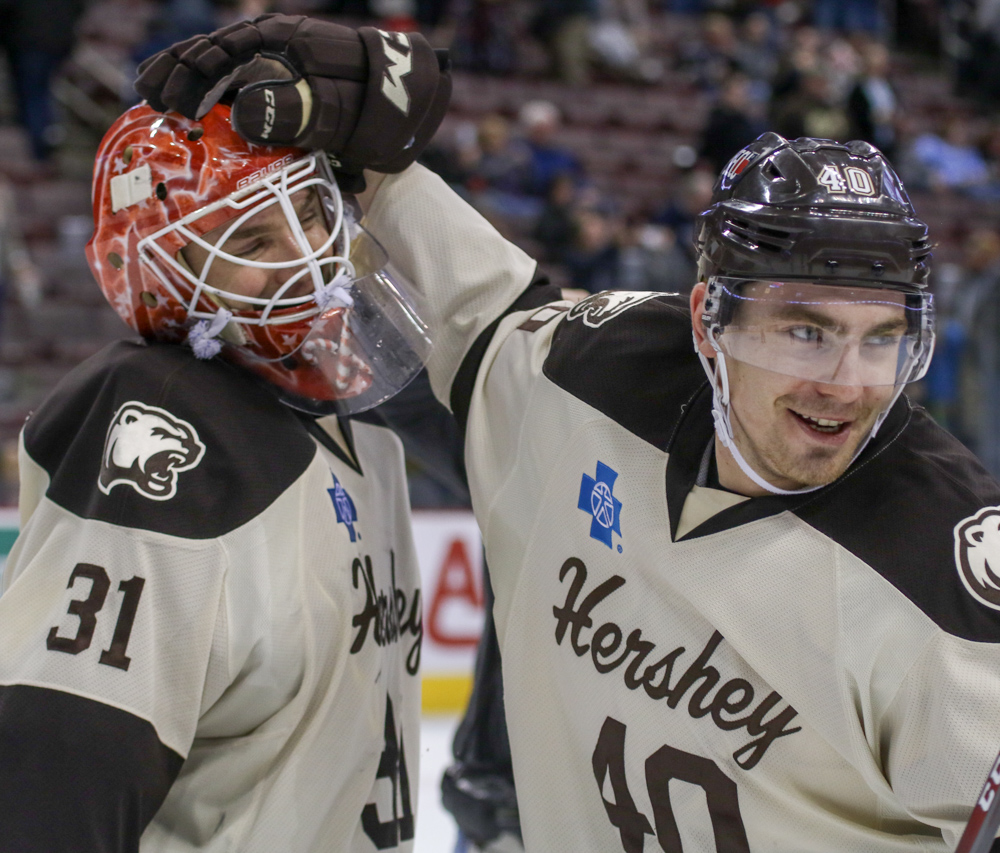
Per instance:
{"type": "Point", "coordinates": [381, 339]}
{"type": "Point", "coordinates": [366, 346]}
{"type": "Point", "coordinates": [833, 334]}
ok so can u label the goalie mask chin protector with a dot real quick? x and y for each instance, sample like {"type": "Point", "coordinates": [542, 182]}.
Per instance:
{"type": "Point", "coordinates": [331, 330]}
{"type": "Point", "coordinates": [806, 228]}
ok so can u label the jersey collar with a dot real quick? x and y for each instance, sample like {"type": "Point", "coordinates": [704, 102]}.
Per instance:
{"type": "Point", "coordinates": [686, 449]}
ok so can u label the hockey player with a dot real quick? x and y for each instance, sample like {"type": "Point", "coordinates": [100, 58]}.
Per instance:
{"type": "Point", "coordinates": [746, 593]}
{"type": "Point", "coordinates": [210, 625]}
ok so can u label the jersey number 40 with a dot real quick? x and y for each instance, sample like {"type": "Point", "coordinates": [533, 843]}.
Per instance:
{"type": "Point", "coordinates": [662, 766]}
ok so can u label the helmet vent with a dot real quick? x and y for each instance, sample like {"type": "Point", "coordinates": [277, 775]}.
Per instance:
{"type": "Point", "coordinates": [920, 250]}
{"type": "Point", "coordinates": [772, 171]}
{"type": "Point", "coordinates": [758, 237]}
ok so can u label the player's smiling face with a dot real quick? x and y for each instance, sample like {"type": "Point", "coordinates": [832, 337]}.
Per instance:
{"type": "Point", "coordinates": [797, 432]}
{"type": "Point", "coordinates": [266, 237]}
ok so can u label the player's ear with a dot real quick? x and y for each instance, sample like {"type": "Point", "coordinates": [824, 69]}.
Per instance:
{"type": "Point", "coordinates": [697, 307]}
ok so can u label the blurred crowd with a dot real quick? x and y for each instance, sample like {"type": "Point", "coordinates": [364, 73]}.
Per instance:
{"type": "Point", "coordinates": [826, 68]}
{"type": "Point", "coordinates": [820, 69]}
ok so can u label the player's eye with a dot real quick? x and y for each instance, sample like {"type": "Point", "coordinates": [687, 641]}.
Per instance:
{"type": "Point", "coordinates": [312, 217]}
{"type": "Point", "coordinates": [806, 335]}
{"type": "Point", "coordinates": [881, 340]}
{"type": "Point", "coordinates": [880, 346]}
{"type": "Point", "coordinates": [248, 250]}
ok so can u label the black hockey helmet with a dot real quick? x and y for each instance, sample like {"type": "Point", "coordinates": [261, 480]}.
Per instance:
{"type": "Point", "coordinates": [813, 209]}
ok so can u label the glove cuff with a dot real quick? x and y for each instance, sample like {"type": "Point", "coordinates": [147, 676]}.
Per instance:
{"type": "Point", "coordinates": [405, 99]}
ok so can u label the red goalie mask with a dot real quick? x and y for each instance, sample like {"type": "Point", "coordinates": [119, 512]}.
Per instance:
{"type": "Point", "coordinates": [248, 251]}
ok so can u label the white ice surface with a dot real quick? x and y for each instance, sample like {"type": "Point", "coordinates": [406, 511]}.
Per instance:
{"type": "Point", "coordinates": [436, 832]}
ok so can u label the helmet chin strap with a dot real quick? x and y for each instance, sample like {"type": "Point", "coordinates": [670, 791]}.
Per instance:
{"type": "Point", "coordinates": [719, 377]}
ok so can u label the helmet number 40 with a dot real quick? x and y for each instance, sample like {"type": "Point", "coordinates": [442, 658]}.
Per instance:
{"type": "Point", "coordinates": [852, 179]}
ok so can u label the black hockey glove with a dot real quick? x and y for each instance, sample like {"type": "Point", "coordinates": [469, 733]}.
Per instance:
{"type": "Point", "coordinates": [369, 98]}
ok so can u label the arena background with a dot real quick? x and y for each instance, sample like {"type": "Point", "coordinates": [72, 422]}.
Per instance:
{"type": "Point", "coordinates": [588, 131]}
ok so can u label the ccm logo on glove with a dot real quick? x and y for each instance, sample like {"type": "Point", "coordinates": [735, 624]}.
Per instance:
{"type": "Point", "coordinates": [269, 113]}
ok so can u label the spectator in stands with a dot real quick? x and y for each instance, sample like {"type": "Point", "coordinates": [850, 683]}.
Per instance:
{"type": "Point", "coordinates": [563, 26]}
{"type": "Point", "coordinates": [593, 260]}
{"type": "Point", "coordinates": [712, 57]}
{"type": "Point", "coordinates": [872, 103]}
{"type": "Point", "coordinates": [730, 125]}
{"type": "Point", "coordinates": [557, 226]}
{"type": "Point", "coordinates": [37, 37]}
{"type": "Point", "coordinates": [977, 37]}
{"type": "Point", "coordinates": [978, 310]}
{"type": "Point", "coordinates": [849, 16]}
{"type": "Point", "coordinates": [503, 163]}
{"type": "Point", "coordinates": [499, 179]}
{"type": "Point", "coordinates": [619, 38]}
{"type": "Point", "coordinates": [690, 198]}
{"type": "Point", "coordinates": [990, 147]}
{"type": "Point", "coordinates": [650, 259]}
{"type": "Point", "coordinates": [452, 155]}
{"type": "Point", "coordinates": [803, 55]}
{"type": "Point", "coordinates": [485, 36]}
{"type": "Point", "coordinates": [757, 54]}
{"type": "Point", "coordinates": [19, 277]}
{"type": "Point", "coordinates": [176, 20]}
{"type": "Point", "coordinates": [540, 121]}
{"type": "Point", "coordinates": [842, 66]}
{"type": "Point", "coordinates": [812, 110]}
{"type": "Point", "coordinates": [950, 161]}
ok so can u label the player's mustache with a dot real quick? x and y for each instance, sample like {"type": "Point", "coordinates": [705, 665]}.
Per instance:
{"type": "Point", "coordinates": [821, 408]}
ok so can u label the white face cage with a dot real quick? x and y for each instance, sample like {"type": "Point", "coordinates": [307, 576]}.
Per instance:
{"type": "Point", "coordinates": [321, 265]}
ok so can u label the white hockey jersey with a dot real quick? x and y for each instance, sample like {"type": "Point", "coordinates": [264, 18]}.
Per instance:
{"type": "Point", "coordinates": [210, 625]}
{"type": "Point", "coordinates": [686, 669]}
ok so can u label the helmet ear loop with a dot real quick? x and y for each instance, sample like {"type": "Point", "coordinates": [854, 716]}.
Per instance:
{"type": "Point", "coordinates": [720, 414]}
{"type": "Point", "coordinates": [720, 365]}
{"type": "Point", "coordinates": [719, 377]}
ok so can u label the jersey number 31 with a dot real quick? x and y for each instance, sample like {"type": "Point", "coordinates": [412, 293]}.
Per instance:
{"type": "Point", "coordinates": [86, 610]}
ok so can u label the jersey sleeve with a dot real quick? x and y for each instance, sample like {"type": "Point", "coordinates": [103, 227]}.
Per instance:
{"type": "Point", "coordinates": [464, 272]}
{"type": "Point", "coordinates": [941, 731]}
{"type": "Point", "coordinates": [105, 635]}
{"type": "Point", "coordinates": [114, 636]}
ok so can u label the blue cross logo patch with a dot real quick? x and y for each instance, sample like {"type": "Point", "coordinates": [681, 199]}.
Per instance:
{"type": "Point", "coordinates": [597, 498]}
{"type": "Point", "coordinates": [344, 507]}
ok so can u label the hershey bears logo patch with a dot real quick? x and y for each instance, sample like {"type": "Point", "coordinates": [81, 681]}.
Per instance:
{"type": "Point", "coordinates": [146, 448]}
{"type": "Point", "coordinates": [977, 555]}
{"type": "Point", "coordinates": [601, 307]}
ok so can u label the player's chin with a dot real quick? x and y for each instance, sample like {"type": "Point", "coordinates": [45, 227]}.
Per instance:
{"type": "Point", "coordinates": [822, 465]}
